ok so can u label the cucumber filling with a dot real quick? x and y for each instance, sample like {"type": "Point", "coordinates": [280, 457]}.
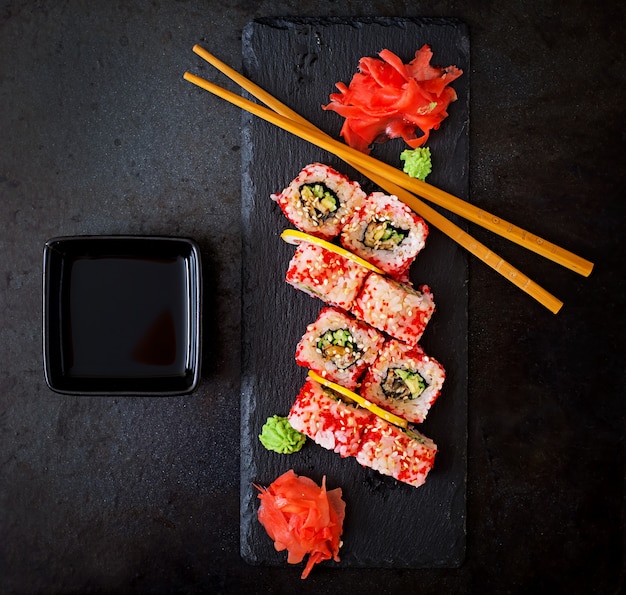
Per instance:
{"type": "Point", "coordinates": [339, 347]}
{"type": "Point", "coordinates": [382, 235]}
{"type": "Point", "coordinates": [319, 201]}
{"type": "Point", "coordinates": [403, 384]}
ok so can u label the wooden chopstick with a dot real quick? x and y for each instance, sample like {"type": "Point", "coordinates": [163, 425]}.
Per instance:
{"type": "Point", "coordinates": [450, 202]}
{"type": "Point", "coordinates": [464, 239]}
{"type": "Point", "coordinates": [424, 210]}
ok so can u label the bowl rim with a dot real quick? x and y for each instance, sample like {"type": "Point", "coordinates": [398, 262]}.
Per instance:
{"type": "Point", "coordinates": [195, 336]}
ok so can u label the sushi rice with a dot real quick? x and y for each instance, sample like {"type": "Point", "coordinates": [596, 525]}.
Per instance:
{"type": "Point", "coordinates": [395, 308]}
{"type": "Point", "coordinates": [404, 380]}
{"type": "Point", "coordinates": [320, 200]}
{"type": "Point", "coordinates": [385, 232]}
{"type": "Point", "coordinates": [339, 347]}
{"type": "Point", "coordinates": [325, 275]}
{"type": "Point", "coordinates": [366, 337]}
{"type": "Point", "coordinates": [321, 414]}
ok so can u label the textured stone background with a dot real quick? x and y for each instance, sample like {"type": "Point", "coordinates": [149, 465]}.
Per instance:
{"type": "Point", "coordinates": [99, 134]}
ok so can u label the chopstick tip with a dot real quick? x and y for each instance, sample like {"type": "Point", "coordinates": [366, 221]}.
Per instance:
{"type": "Point", "coordinates": [204, 54]}
{"type": "Point", "coordinates": [588, 269]}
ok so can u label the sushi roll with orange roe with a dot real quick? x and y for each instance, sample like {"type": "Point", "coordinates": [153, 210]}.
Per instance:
{"type": "Point", "coordinates": [320, 200]}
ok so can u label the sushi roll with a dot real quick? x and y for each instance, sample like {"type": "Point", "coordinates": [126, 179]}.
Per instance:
{"type": "Point", "coordinates": [395, 308]}
{"type": "Point", "coordinates": [320, 200]}
{"type": "Point", "coordinates": [319, 413]}
{"type": "Point", "coordinates": [406, 455]}
{"type": "Point", "coordinates": [385, 232]}
{"type": "Point", "coordinates": [404, 380]}
{"type": "Point", "coordinates": [323, 274]}
{"type": "Point", "coordinates": [339, 347]}
{"type": "Point", "coordinates": [334, 424]}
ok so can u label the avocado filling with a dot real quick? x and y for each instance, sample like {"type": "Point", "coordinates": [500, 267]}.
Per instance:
{"type": "Point", "coordinates": [339, 347]}
{"type": "Point", "coordinates": [403, 384]}
{"type": "Point", "coordinates": [381, 235]}
{"type": "Point", "coordinates": [319, 201]}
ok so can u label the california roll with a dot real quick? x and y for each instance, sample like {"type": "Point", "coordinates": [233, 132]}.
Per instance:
{"type": "Point", "coordinates": [339, 347]}
{"type": "Point", "coordinates": [397, 309]}
{"type": "Point", "coordinates": [320, 200]}
{"type": "Point", "coordinates": [323, 274]}
{"type": "Point", "coordinates": [404, 380]}
{"type": "Point", "coordinates": [321, 414]}
{"type": "Point", "coordinates": [385, 232]}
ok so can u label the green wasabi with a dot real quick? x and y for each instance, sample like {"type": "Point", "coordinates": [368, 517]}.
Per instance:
{"type": "Point", "coordinates": [417, 162]}
{"type": "Point", "coordinates": [278, 435]}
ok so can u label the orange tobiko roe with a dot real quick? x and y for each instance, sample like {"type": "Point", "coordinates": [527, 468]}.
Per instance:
{"type": "Point", "coordinates": [302, 518]}
{"type": "Point", "coordinates": [389, 99]}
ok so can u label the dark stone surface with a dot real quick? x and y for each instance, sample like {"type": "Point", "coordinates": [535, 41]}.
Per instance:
{"type": "Point", "coordinates": [100, 134]}
{"type": "Point", "coordinates": [422, 528]}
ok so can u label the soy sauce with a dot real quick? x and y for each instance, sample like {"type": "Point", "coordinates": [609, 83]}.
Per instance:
{"type": "Point", "coordinates": [126, 317]}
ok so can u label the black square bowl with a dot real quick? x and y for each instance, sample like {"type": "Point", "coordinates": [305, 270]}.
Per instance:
{"type": "Point", "coordinates": [122, 315]}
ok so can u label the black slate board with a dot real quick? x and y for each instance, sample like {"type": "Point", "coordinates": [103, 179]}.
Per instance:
{"type": "Point", "coordinates": [388, 524]}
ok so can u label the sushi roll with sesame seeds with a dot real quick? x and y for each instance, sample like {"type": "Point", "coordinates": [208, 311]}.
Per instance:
{"type": "Point", "coordinates": [404, 380]}
{"type": "Point", "coordinates": [404, 454]}
{"type": "Point", "coordinates": [340, 426]}
{"type": "Point", "coordinates": [320, 413]}
{"type": "Point", "coordinates": [385, 232]}
{"type": "Point", "coordinates": [395, 308]}
{"type": "Point", "coordinates": [320, 200]}
{"type": "Point", "coordinates": [339, 347]}
{"type": "Point", "coordinates": [323, 274]}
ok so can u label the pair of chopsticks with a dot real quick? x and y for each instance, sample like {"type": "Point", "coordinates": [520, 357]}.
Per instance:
{"type": "Point", "coordinates": [395, 181]}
